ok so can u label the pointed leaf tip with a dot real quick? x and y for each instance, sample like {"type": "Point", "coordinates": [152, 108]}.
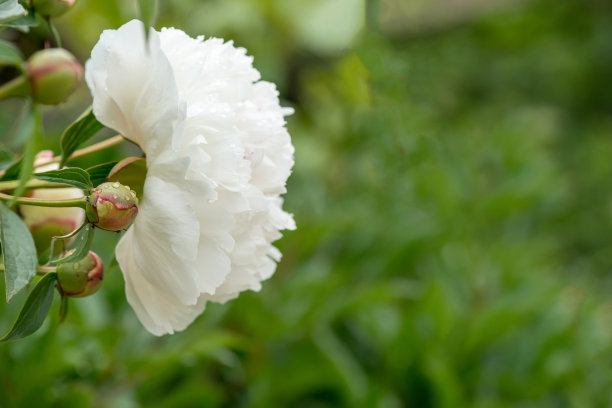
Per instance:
{"type": "Point", "coordinates": [34, 310]}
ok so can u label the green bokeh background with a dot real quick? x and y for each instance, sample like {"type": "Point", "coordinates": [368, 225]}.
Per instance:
{"type": "Point", "coordinates": [453, 196]}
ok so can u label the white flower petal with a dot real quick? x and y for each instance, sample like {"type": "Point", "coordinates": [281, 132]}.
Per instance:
{"type": "Point", "coordinates": [238, 281]}
{"type": "Point", "coordinates": [158, 312]}
{"type": "Point", "coordinates": [133, 87]}
{"type": "Point", "coordinates": [165, 241]}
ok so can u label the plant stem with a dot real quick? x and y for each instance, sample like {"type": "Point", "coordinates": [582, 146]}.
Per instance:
{"type": "Point", "coordinates": [105, 144]}
{"type": "Point", "coordinates": [76, 202]}
{"type": "Point", "coordinates": [41, 270]}
{"type": "Point", "coordinates": [33, 183]}
{"type": "Point", "coordinates": [16, 87]}
{"type": "Point", "coordinates": [54, 33]}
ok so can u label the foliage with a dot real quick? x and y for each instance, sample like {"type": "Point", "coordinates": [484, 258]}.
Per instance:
{"type": "Point", "coordinates": [453, 210]}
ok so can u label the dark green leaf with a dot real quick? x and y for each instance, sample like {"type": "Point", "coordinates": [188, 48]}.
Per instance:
{"type": "Point", "coordinates": [9, 54]}
{"type": "Point", "coordinates": [82, 244]}
{"type": "Point", "coordinates": [99, 173]}
{"type": "Point", "coordinates": [34, 310]}
{"type": "Point", "coordinates": [12, 172]}
{"type": "Point", "coordinates": [6, 158]}
{"type": "Point", "coordinates": [70, 175]}
{"type": "Point", "coordinates": [63, 308]}
{"type": "Point", "coordinates": [33, 122]}
{"type": "Point", "coordinates": [20, 261]}
{"type": "Point", "coordinates": [19, 133]}
{"type": "Point", "coordinates": [77, 133]}
{"type": "Point", "coordinates": [23, 132]}
{"type": "Point", "coordinates": [148, 14]}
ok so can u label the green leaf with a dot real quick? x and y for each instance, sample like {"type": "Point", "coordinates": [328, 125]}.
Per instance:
{"type": "Point", "coordinates": [148, 14]}
{"type": "Point", "coordinates": [12, 172]}
{"type": "Point", "coordinates": [20, 132]}
{"type": "Point", "coordinates": [82, 245]}
{"type": "Point", "coordinates": [63, 312]}
{"type": "Point", "coordinates": [22, 22]}
{"type": "Point", "coordinates": [113, 264]}
{"type": "Point", "coordinates": [70, 175]}
{"type": "Point", "coordinates": [6, 159]}
{"type": "Point", "coordinates": [51, 251]}
{"type": "Point", "coordinates": [77, 133]}
{"type": "Point", "coordinates": [34, 310]}
{"type": "Point", "coordinates": [9, 54]}
{"type": "Point", "coordinates": [99, 173]}
{"type": "Point", "coordinates": [32, 122]}
{"type": "Point", "coordinates": [25, 131]}
{"type": "Point", "coordinates": [20, 260]}
{"type": "Point", "coordinates": [11, 10]}
{"type": "Point", "coordinates": [131, 172]}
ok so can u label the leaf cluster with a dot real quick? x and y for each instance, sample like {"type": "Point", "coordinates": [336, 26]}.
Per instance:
{"type": "Point", "coordinates": [20, 258]}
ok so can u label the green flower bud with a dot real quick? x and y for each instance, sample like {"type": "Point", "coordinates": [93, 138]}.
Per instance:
{"type": "Point", "coordinates": [112, 206]}
{"type": "Point", "coordinates": [52, 8]}
{"type": "Point", "coordinates": [82, 278]}
{"type": "Point", "coordinates": [53, 74]}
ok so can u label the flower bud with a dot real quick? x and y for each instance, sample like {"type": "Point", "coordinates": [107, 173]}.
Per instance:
{"type": "Point", "coordinates": [112, 206]}
{"type": "Point", "coordinates": [54, 74]}
{"type": "Point", "coordinates": [52, 8]}
{"type": "Point", "coordinates": [45, 222]}
{"type": "Point", "coordinates": [81, 278]}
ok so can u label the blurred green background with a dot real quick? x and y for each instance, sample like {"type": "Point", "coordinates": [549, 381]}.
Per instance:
{"type": "Point", "coordinates": [453, 195]}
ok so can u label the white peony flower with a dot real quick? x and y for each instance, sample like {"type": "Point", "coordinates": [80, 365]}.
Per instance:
{"type": "Point", "coordinates": [218, 158]}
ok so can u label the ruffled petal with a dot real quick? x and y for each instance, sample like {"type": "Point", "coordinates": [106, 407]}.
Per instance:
{"type": "Point", "coordinates": [267, 143]}
{"type": "Point", "coordinates": [133, 88]}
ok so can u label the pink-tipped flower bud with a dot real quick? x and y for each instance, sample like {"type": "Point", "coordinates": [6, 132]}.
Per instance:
{"type": "Point", "coordinates": [81, 278]}
{"type": "Point", "coordinates": [53, 74]}
{"type": "Point", "coordinates": [52, 8]}
{"type": "Point", "coordinates": [112, 206]}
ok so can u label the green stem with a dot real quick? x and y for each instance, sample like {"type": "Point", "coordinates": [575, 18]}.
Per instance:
{"type": "Point", "coordinates": [54, 33]}
{"type": "Point", "coordinates": [16, 87]}
{"type": "Point", "coordinates": [76, 202]}
{"type": "Point", "coordinates": [105, 144]}
{"type": "Point", "coordinates": [32, 183]}
{"type": "Point", "coordinates": [41, 270]}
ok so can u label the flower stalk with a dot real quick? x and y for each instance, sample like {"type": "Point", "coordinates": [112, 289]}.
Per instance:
{"type": "Point", "coordinates": [16, 87]}
{"type": "Point", "coordinates": [76, 202]}
{"type": "Point", "coordinates": [31, 184]}
{"type": "Point", "coordinates": [105, 144]}
{"type": "Point", "coordinates": [41, 270]}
